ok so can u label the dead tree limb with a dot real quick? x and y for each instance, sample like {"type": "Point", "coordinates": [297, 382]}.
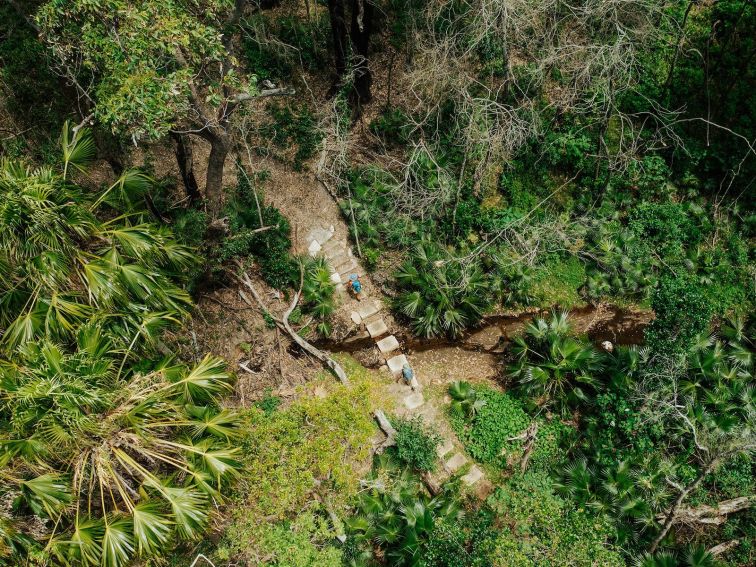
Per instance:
{"type": "Point", "coordinates": [284, 325]}
{"type": "Point", "coordinates": [724, 547]}
{"type": "Point", "coordinates": [712, 515]}
{"type": "Point", "coordinates": [387, 428]}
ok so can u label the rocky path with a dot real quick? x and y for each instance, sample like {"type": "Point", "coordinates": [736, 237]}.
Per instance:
{"type": "Point", "coordinates": [368, 316]}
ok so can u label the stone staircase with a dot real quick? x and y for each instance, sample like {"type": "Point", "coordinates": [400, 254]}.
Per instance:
{"type": "Point", "coordinates": [367, 314]}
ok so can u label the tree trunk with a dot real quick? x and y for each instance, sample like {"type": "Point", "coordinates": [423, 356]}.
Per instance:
{"type": "Point", "coordinates": [185, 160]}
{"type": "Point", "coordinates": [219, 148]}
{"type": "Point", "coordinates": [362, 26]}
{"type": "Point", "coordinates": [339, 34]}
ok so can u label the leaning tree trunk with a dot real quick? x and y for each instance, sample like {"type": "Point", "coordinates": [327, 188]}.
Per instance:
{"type": "Point", "coordinates": [219, 147]}
{"type": "Point", "coordinates": [185, 160]}
{"type": "Point", "coordinates": [362, 26]}
{"type": "Point", "coordinates": [339, 33]}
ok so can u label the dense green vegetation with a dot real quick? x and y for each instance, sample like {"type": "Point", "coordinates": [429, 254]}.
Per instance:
{"type": "Point", "coordinates": [487, 157]}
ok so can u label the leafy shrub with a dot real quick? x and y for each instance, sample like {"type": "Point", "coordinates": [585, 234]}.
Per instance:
{"type": "Point", "coordinates": [314, 439]}
{"type": "Point", "coordinates": [498, 419]}
{"type": "Point", "coordinates": [317, 293]}
{"type": "Point", "coordinates": [545, 529]}
{"type": "Point", "coordinates": [307, 541]}
{"type": "Point", "coordinates": [667, 228]}
{"type": "Point", "coordinates": [392, 126]}
{"type": "Point", "coordinates": [297, 126]}
{"type": "Point", "coordinates": [396, 518]}
{"type": "Point", "coordinates": [416, 443]}
{"type": "Point", "coordinates": [465, 399]}
{"type": "Point", "coordinates": [270, 247]}
{"type": "Point", "coordinates": [682, 311]}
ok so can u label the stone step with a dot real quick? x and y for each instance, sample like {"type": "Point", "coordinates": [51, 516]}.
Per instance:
{"type": "Point", "coordinates": [388, 344]}
{"type": "Point", "coordinates": [349, 269]}
{"type": "Point", "coordinates": [457, 461]}
{"type": "Point", "coordinates": [333, 246]}
{"type": "Point", "coordinates": [396, 363]}
{"type": "Point", "coordinates": [344, 266]}
{"type": "Point", "coordinates": [335, 278]}
{"type": "Point", "coordinates": [445, 448]}
{"type": "Point", "coordinates": [369, 308]}
{"type": "Point", "coordinates": [321, 235]}
{"type": "Point", "coordinates": [356, 319]}
{"type": "Point", "coordinates": [377, 328]}
{"type": "Point", "coordinates": [414, 401]}
{"type": "Point", "coordinates": [473, 476]}
{"type": "Point", "coordinates": [335, 261]}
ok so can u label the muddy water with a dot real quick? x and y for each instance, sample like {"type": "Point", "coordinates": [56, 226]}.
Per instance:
{"type": "Point", "coordinates": [600, 323]}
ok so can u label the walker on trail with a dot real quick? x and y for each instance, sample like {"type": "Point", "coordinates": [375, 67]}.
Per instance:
{"type": "Point", "coordinates": [407, 374]}
{"type": "Point", "coordinates": [355, 285]}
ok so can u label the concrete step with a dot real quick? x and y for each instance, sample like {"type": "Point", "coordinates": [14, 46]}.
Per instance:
{"type": "Point", "coordinates": [445, 448]}
{"type": "Point", "coordinates": [335, 261]}
{"type": "Point", "coordinates": [388, 344]}
{"type": "Point", "coordinates": [377, 328]}
{"type": "Point", "coordinates": [473, 476]}
{"type": "Point", "coordinates": [346, 265]}
{"type": "Point", "coordinates": [321, 235]}
{"type": "Point", "coordinates": [332, 246]}
{"type": "Point", "coordinates": [335, 278]}
{"type": "Point", "coordinates": [457, 461]}
{"type": "Point", "coordinates": [396, 363]}
{"type": "Point", "coordinates": [414, 401]}
{"type": "Point", "coordinates": [369, 308]}
{"type": "Point", "coordinates": [313, 248]}
{"type": "Point", "coordinates": [356, 319]}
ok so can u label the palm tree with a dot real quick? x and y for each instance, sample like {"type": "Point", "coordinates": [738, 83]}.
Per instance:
{"type": "Point", "coordinates": [440, 294]}
{"type": "Point", "coordinates": [62, 265]}
{"type": "Point", "coordinates": [114, 466]}
{"type": "Point", "coordinates": [552, 365]}
{"type": "Point", "coordinates": [396, 517]}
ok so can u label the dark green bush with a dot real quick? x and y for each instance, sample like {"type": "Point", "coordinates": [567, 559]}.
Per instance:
{"type": "Point", "coordinates": [392, 126]}
{"type": "Point", "coordinates": [293, 126]}
{"type": "Point", "coordinates": [416, 443]}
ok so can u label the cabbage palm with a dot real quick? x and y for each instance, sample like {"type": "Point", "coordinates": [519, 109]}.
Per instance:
{"type": "Point", "coordinates": [396, 517]}
{"type": "Point", "coordinates": [552, 365]}
{"type": "Point", "coordinates": [63, 265]}
{"type": "Point", "coordinates": [114, 465]}
{"type": "Point", "coordinates": [439, 294]}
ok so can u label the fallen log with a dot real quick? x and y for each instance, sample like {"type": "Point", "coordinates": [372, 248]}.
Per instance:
{"type": "Point", "coordinates": [724, 547]}
{"type": "Point", "coordinates": [387, 428]}
{"type": "Point", "coordinates": [711, 515]}
{"type": "Point", "coordinates": [284, 325]}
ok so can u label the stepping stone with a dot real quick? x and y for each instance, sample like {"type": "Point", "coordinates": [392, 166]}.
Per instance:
{"type": "Point", "coordinates": [314, 248]}
{"type": "Point", "coordinates": [473, 476]}
{"type": "Point", "coordinates": [447, 447]}
{"type": "Point", "coordinates": [333, 247]}
{"type": "Point", "coordinates": [335, 278]}
{"type": "Point", "coordinates": [349, 270]}
{"type": "Point", "coordinates": [337, 260]}
{"type": "Point", "coordinates": [455, 463]}
{"type": "Point", "coordinates": [395, 364]}
{"type": "Point", "coordinates": [356, 319]}
{"type": "Point", "coordinates": [346, 265]}
{"type": "Point", "coordinates": [322, 235]}
{"type": "Point", "coordinates": [377, 329]}
{"type": "Point", "coordinates": [388, 344]}
{"type": "Point", "coordinates": [368, 308]}
{"type": "Point", "coordinates": [414, 401]}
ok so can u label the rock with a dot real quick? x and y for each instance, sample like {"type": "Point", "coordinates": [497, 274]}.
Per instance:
{"type": "Point", "coordinates": [314, 248]}
{"type": "Point", "coordinates": [356, 319]}
{"type": "Point", "coordinates": [335, 278]}
{"type": "Point", "coordinates": [368, 308]}
{"type": "Point", "coordinates": [447, 447]}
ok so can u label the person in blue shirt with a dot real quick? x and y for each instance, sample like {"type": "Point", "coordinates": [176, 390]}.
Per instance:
{"type": "Point", "coordinates": [354, 281]}
{"type": "Point", "coordinates": [407, 374]}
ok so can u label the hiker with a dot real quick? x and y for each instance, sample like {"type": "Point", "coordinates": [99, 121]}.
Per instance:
{"type": "Point", "coordinates": [407, 374]}
{"type": "Point", "coordinates": [355, 285]}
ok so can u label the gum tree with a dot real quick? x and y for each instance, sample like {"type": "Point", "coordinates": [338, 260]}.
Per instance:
{"type": "Point", "coordinates": [149, 68]}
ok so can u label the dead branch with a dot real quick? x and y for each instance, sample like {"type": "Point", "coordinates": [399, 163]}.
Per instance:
{"type": "Point", "coordinates": [724, 547]}
{"type": "Point", "coordinates": [711, 515]}
{"type": "Point", "coordinates": [387, 428]}
{"type": "Point", "coordinates": [284, 325]}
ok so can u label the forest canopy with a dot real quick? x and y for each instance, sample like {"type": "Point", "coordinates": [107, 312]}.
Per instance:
{"type": "Point", "coordinates": [377, 282]}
